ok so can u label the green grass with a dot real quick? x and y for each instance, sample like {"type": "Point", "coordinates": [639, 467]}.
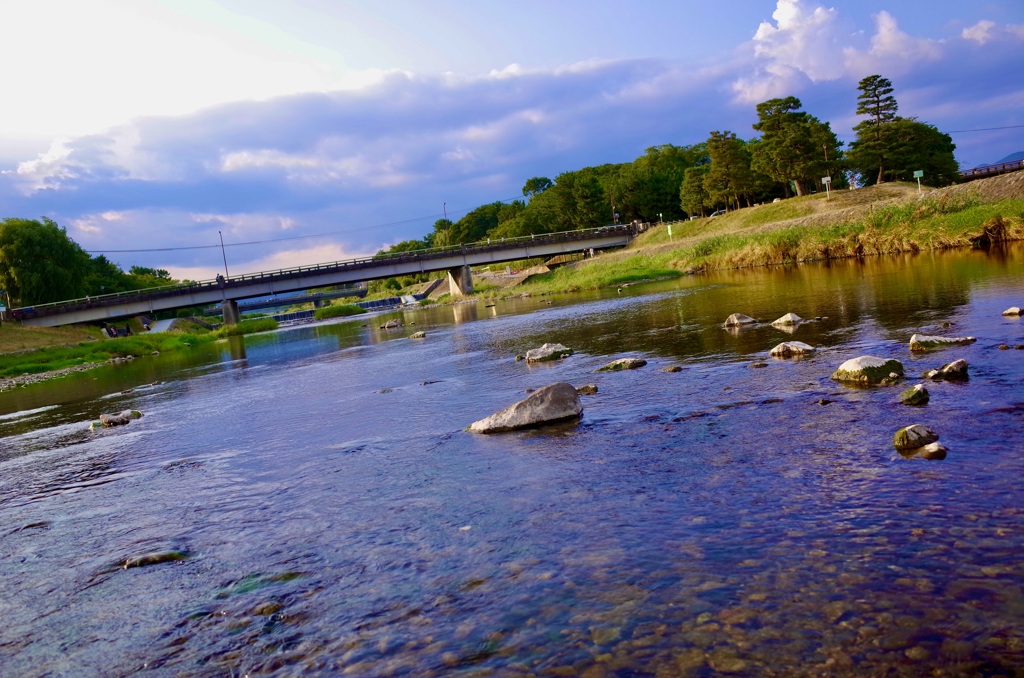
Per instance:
{"type": "Point", "coordinates": [569, 279]}
{"type": "Point", "coordinates": [342, 311]}
{"type": "Point", "coordinates": [47, 359]}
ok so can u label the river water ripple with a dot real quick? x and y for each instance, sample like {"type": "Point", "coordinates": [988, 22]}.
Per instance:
{"type": "Point", "coordinates": [724, 519]}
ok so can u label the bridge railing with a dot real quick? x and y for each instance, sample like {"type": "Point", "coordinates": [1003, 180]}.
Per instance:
{"type": "Point", "coordinates": [220, 282]}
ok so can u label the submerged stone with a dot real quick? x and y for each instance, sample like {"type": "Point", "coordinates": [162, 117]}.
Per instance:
{"type": "Point", "coordinates": [672, 368]}
{"type": "Point", "coordinates": [547, 352]}
{"type": "Point", "coordinates": [418, 335]}
{"type": "Point", "coordinates": [587, 389]}
{"type": "Point", "coordinates": [869, 370]}
{"type": "Point", "coordinates": [928, 342]}
{"type": "Point", "coordinates": [551, 404]}
{"type": "Point", "coordinates": [914, 436]}
{"type": "Point", "coordinates": [153, 559]}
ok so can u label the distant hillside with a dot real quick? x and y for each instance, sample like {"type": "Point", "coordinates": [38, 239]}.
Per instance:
{"type": "Point", "coordinates": [1019, 155]}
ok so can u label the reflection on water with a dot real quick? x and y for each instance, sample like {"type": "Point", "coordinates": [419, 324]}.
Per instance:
{"type": "Point", "coordinates": [723, 519]}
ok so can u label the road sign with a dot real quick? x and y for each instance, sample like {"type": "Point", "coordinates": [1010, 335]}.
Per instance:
{"type": "Point", "coordinates": [918, 174]}
{"type": "Point", "coordinates": [826, 180]}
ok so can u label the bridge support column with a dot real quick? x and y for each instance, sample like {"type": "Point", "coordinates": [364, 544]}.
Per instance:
{"type": "Point", "coordinates": [460, 281]}
{"type": "Point", "coordinates": [231, 314]}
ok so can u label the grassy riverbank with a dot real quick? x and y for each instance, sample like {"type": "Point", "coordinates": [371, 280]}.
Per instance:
{"type": "Point", "coordinates": [886, 219]}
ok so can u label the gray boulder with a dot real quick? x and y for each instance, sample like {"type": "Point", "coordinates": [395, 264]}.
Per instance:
{"type": "Point", "coordinates": [920, 343]}
{"type": "Point", "coordinates": [548, 352]}
{"type": "Point", "coordinates": [118, 419]}
{"type": "Point", "coordinates": [914, 436]}
{"type": "Point", "coordinates": [391, 324]}
{"type": "Point", "coordinates": [788, 349]}
{"type": "Point", "coordinates": [954, 371]}
{"type": "Point", "coordinates": [587, 389]}
{"type": "Point", "coordinates": [1013, 310]}
{"type": "Point", "coordinates": [869, 370]}
{"type": "Point", "coordinates": [738, 319]}
{"type": "Point", "coordinates": [622, 364]}
{"type": "Point", "coordinates": [788, 320]}
{"type": "Point", "coordinates": [554, 403]}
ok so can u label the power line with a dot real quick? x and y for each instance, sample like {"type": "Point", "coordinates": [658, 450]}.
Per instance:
{"type": "Point", "coordinates": [273, 240]}
{"type": "Point", "coordinates": [983, 129]}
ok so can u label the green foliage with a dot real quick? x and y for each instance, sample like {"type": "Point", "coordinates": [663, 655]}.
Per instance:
{"type": "Point", "coordinates": [693, 196]}
{"type": "Point", "coordinates": [794, 146]}
{"type": "Point", "coordinates": [39, 264]}
{"type": "Point", "coordinates": [730, 175]}
{"type": "Point", "coordinates": [247, 327]}
{"type": "Point", "coordinates": [342, 311]}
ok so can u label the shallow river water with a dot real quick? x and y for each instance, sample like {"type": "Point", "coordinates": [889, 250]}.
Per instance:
{"type": "Point", "coordinates": [723, 519]}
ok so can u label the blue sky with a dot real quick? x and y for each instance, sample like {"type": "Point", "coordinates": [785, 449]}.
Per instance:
{"type": "Point", "coordinates": [319, 130]}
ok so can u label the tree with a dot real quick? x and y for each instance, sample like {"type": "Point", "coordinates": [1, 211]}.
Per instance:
{"type": "Point", "coordinates": [877, 102]}
{"type": "Point", "coordinates": [693, 196]}
{"type": "Point", "coordinates": [730, 176]}
{"type": "Point", "coordinates": [536, 186]}
{"type": "Point", "coordinates": [649, 185]}
{"type": "Point", "coordinates": [919, 146]}
{"type": "Point", "coordinates": [39, 263]}
{"type": "Point", "coordinates": [794, 145]}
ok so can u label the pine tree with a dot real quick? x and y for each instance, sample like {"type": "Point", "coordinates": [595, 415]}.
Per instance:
{"type": "Point", "coordinates": [877, 102]}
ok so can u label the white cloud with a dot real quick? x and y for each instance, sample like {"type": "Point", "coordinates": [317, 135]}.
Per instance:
{"type": "Point", "coordinates": [980, 32]}
{"type": "Point", "coordinates": [801, 47]}
{"type": "Point", "coordinates": [891, 51]}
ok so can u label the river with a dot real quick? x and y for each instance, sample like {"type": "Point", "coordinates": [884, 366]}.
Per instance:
{"type": "Point", "coordinates": [334, 518]}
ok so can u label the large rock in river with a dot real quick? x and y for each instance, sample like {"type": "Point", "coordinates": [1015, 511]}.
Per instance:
{"type": "Point", "coordinates": [869, 370]}
{"type": "Point", "coordinates": [119, 419]}
{"type": "Point", "coordinates": [788, 320]}
{"type": "Point", "coordinates": [738, 319]}
{"type": "Point", "coordinates": [914, 436]}
{"type": "Point", "coordinates": [954, 371]}
{"type": "Point", "coordinates": [788, 349]}
{"type": "Point", "coordinates": [554, 403]}
{"type": "Point", "coordinates": [547, 352]}
{"type": "Point", "coordinates": [925, 342]}
{"type": "Point", "coordinates": [622, 364]}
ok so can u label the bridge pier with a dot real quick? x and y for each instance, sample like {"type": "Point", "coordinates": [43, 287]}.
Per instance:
{"type": "Point", "coordinates": [230, 309]}
{"type": "Point", "coordinates": [460, 281]}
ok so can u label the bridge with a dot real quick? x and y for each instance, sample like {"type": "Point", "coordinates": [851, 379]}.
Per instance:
{"type": "Point", "coordinates": [456, 260]}
{"type": "Point", "coordinates": [991, 170]}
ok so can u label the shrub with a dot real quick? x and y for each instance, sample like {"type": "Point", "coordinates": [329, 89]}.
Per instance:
{"type": "Point", "coordinates": [338, 311]}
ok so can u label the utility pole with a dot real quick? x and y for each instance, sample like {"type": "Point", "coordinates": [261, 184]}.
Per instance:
{"type": "Point", "coordinates": [223, 254]}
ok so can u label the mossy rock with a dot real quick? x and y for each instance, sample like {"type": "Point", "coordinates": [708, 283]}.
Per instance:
{"type": "Point", "coordinates": [869, 370]}
{"type": "Point", "coordinates": [914, 436]}
{"type": "Point", "coordinates": [622, 364]}
{"type": "Point", "coordinates": [915, 395]}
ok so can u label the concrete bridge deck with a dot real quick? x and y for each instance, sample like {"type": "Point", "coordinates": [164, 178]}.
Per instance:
{"type": "Point", "coordinates": [455, 260]}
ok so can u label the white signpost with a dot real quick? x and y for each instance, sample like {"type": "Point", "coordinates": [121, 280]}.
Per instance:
{"type": "Point", "coordinates": [827, 181]}
{"type": "Point", "coordinates": [917, 175]}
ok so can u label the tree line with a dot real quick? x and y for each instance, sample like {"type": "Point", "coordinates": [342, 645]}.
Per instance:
{"type": "Point", "coordinates": [792, 154]}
